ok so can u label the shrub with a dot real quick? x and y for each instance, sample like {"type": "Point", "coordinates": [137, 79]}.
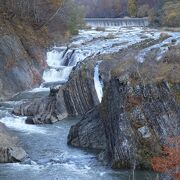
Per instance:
{"type": "Point", "coordinates": [132, 8]}
{"type": "Point", "coordinates": [171, 14]}
{"type": "Point", "coordinates": [143, 11]}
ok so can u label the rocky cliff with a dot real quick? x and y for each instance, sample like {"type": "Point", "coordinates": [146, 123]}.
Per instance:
{"type": "Point", "coordinates": [78, 95]}
{"type": "Point", "coordinates": [22, 58]}
{"type": "Point", "coordinates": [139, 110]}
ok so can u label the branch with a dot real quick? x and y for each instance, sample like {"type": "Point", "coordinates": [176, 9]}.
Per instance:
{"type": "Point", "coordinates": [52, 17]}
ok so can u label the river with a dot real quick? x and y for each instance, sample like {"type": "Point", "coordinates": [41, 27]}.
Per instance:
{"type": "Point", "coordinates": [50, 158]}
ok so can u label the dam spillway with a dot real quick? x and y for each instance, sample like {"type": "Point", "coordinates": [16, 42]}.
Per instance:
{"type": "Point", "coordinates": [119, 22]}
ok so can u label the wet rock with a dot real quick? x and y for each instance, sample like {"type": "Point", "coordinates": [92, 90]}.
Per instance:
{"type": "Point", "coordinates": [174, 41]}
{"type": "Point", "coordinates": [88, 133]}
{"type": "Point", "coordinates": [29, 120]}
{"type": "Point", "coordinates": [17, 154]}
{"type": "Point", "coordinates": [47, 110]}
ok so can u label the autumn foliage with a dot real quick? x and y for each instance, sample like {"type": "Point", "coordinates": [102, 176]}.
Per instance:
{"type": "Point", "coordinates": [169, 160]}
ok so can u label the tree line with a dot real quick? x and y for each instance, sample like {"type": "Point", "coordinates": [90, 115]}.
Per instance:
{"type": "Point", "coordinates": [160, 12]}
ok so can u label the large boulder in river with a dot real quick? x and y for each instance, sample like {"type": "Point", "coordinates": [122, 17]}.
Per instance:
{"type": "Point", "coordinates": [88, 133]}
{"type": "Point", "coordinates": [9, 151]}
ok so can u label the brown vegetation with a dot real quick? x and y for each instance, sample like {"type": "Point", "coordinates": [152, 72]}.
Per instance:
{"type": "Point", "coordinates": [169, 160]}
{"type": "Point", "coordinates": [168, 68]}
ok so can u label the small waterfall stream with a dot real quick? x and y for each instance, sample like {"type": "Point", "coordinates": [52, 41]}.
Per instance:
{"type": "Point", "coordinates": [98, 82]}
{"type": "Point", "coordinates": [50, 157]}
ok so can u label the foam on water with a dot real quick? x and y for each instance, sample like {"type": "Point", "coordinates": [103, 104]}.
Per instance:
{"type": "Point", "coordinates": [40, 89]}
{"type": "Point", "coordinates": [54, 75]}
{"type": "Point", "coordinates": [18, 123]}
{"type": "Point", "coordinates": [54, 57]}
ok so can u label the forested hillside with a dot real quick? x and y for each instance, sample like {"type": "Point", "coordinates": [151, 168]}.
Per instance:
{"type": "Point", "coordinates": [160, 12]}
{"type": "Point", "coordinates": [114, 8]}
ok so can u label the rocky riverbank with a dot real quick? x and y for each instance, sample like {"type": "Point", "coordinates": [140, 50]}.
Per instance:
{"type": "Point", "coordinates": [139, 109]}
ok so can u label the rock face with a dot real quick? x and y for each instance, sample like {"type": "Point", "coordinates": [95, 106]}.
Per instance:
{"type": "Point", "coordinates": [22, 59]}
{"type": "Point", "coordinates": [139, 111]}
{"type": "Point", "coordinates": [27, 30]}
{"type": "Point", "coordinates": [135, 118]}
{"type": "Point", "coordinates": [9, 151]}
{"type": "Point", "coordinates": [130, 124]}
{"type": "Point", "coordinates": [75, 98]}
{"type": "Point", "coordinates": [78, 95]}
{"type": "Point", "coordinates": [88, 133]}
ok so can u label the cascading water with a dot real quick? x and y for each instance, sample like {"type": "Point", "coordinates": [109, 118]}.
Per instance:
{"type": "Point", "coordinates": [120, 22]}
{"type": "Point", "coordinates": [98, 83]}
{"type": "Point", "coordinates": [46, 145]}
{"type": "Point", "coordinates": [60, 64]}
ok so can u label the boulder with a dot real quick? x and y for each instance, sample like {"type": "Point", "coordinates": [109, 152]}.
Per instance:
{"type": "Point", "coordinates": [9, 151]}
{"type": "Point", "coordinates": [88, 133]}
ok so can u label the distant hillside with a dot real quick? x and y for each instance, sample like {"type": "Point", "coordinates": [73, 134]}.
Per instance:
{"type": "Point", "coordinates": [111, 8]}
{"type": "Point", "coordinates": [160, 12]}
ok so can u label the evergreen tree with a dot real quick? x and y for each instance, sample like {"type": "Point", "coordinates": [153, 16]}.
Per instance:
{"type": "Point", "coordinates": [132, 8]}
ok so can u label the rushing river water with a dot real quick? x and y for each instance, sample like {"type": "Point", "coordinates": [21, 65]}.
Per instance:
{"type": "Point", "coordinates": [49, 156]}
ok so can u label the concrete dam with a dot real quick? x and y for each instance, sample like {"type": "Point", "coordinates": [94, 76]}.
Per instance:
{"type": "Point", "coordinates": [120, 22]}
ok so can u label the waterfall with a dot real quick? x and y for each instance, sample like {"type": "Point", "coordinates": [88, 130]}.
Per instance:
{"type": "Point", "coordinates": [98, 82]}
{"type": "Point", "coordinates": [60, 64]}
{"type": "Point", "coordinates": [120, 22]}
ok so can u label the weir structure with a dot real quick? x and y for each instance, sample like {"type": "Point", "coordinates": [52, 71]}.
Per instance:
{"type": "Point", "coordinates": [120, 22]}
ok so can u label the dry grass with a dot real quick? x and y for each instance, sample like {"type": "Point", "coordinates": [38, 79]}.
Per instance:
{"type": "Point", "coordinates": [151, 70]}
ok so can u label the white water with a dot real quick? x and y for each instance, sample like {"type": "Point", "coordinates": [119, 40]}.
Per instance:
{"type": "Point", "coordinates": [98, 82]}
{"type": "Point", "coordinates": [120, 22]}
{"type": "Point", "coordinates": [89, 43]}
{"type": "Point", "coordinates": [18, 123]}
{"type": "Point", "coordinates": [162, 47]}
